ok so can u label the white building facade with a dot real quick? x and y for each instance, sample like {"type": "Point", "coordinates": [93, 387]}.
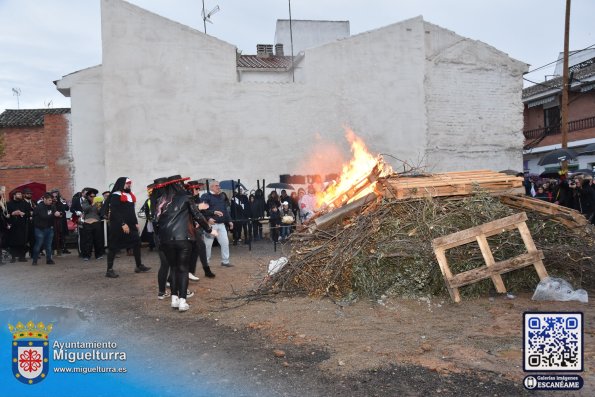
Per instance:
{"type": "Point", "coordinates": [168, 99]}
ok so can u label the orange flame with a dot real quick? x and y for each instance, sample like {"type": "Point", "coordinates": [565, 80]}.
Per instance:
{"type": "Point", "coordinates": [354, 173]}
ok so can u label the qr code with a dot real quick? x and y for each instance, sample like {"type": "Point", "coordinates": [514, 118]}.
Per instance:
{"type": "Point", "coordinates": [553, 342]}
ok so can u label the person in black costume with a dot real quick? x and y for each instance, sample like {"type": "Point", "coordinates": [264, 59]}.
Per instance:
{"type": "Point", "coordinates": [60, 225]}
{"type": "Point", "coordinates": [257, 208]}
{"type": "Point", "coordinates": [148, 233]}
{"type": "Point", "coordinates": [154, 191]}
{"type": "Point", "coordinates": [123, 225]}
{"type": "Point", "coordinates": [176, 213]}
{"type": "Point", "coordinates": [19, 213]}
{"type": "Point", "coordinates": [240, 213]}
{"type": "Point", "coordinates": [28, 198]}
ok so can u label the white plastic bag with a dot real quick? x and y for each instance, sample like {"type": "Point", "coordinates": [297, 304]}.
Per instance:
{"type": "Point", "coordinates": [558, 289]}
{"type": "Point", "coordinates": [276, 265]}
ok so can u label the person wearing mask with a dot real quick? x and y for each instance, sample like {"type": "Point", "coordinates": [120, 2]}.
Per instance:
{"type": "Point", "coordinates": [217, 202]}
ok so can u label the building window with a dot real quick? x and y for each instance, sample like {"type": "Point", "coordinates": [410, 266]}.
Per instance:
{"type": "Point", "coordinates": [551, 118]}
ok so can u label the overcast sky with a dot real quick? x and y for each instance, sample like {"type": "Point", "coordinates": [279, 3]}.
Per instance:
{"type": "Point", "coordinates": [43, 40]}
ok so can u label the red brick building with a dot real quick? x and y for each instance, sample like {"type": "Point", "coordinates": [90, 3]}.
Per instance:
{"type": "Point", "coordinates": [542, 118]}
{"type": "Point", "coordinates": [34, 147]}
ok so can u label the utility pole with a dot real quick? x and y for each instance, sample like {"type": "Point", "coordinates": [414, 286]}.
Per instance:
{"type": "Point", "coordinates": [565, 87]}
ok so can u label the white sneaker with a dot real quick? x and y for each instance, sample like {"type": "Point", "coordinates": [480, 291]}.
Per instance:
{"type": "Point", "coordinates": [175, 301]}
{"type": "Point", "coordinates": [183, 306]}
{"type": "Point", "coordinates": [189, 294]}
{"type": "Point", "coordinates": [192, 277]}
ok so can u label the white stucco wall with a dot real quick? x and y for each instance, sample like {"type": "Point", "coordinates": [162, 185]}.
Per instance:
{"type": "Point", "coordinates": [87, 132]}
{"type": "Point", "coordinates": [309, 34]}
{"type": "Point", "coordinates": [257, 76]}
{"type": "Point", "coordinates": [172, 103]}
{"type": "Point", "coordinates": [473, 104]}
{"type": "Point", "coordinates": [372, 82]}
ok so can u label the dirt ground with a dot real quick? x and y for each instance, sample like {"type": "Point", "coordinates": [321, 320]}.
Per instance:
{"type": "Point", "coordinates": [305, 346]}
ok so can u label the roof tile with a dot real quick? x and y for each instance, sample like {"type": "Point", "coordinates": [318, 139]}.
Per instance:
{"type": "Point", "coordinates": [27, 117]}
{"type": "Point", "coordinates": [557, 82]}
{"type": "Point", "coordinates": [256, 62]}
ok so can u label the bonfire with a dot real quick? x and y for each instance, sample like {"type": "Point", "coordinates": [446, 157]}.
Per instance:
{"type": "Point", "coordinates": [374, 232]}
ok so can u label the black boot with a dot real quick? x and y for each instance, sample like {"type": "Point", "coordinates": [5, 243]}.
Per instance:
{"type": "Point", "coordinates": [142, 268]}
{"type": "Point", "coordinates": [208, 272]}
{"type": "Point", "coordinates": [111, 274]}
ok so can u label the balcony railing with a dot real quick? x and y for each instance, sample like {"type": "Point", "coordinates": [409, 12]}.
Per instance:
{"type": "Point", "coordinates": [576, 125]}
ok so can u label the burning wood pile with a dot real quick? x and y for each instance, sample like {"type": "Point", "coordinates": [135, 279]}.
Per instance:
{"type": "Point", "coordinates": [373, 235]}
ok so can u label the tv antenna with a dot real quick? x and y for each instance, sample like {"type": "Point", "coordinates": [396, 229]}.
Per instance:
{"type": "Point", "coordinates": [206, 16]}
{"type": "Point", "coordinates": [17, 92]}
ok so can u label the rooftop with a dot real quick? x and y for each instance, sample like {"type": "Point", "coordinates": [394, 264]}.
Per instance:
{"type": "Point", "coordinates": [587, 72]}
{"type": "Point", "coordinates": [257, 62]}
{"type": "Point", "coordinates": [27, 117]}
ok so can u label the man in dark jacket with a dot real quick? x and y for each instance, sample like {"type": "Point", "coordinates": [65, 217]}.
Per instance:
{"type": "Point", "coordinates": [123, 225]}
{"type": "Point", "coordinates": [199, 250]}
{"type": "Point", "coordinates": [43, 220]}
{"type": "Point", "coordinates": [216, 202]}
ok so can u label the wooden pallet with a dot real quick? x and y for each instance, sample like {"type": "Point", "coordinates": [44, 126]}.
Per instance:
{"type": "Point", "coordinates": [450, 184]}
{"type": "Point", "coordinates": [570, 218]}
{"type": "Point", "coordinates": [492, 269]}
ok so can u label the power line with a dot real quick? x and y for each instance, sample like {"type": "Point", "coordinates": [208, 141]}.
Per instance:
{"type": "Point", "coordinates": [557, 60]}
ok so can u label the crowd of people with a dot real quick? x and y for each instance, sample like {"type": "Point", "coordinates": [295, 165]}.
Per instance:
{"type": "Point", "coordinates": [576, 192]}
{"type": "Point", "coordinates": [28, 226]}
{"type": "Point", "coordinates": [182, 222]}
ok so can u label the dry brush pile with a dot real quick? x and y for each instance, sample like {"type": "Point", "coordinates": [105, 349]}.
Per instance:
{"type": "Point", "coordinates": [387, 249]}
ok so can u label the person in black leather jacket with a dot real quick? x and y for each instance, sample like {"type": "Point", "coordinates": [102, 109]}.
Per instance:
{"type": "Point", "coordinates": [175, 213]}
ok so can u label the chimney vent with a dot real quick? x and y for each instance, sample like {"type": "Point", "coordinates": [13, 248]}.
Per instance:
{"type": "Point", "coordinates": [264, 50]}
{"type": "Point", "coordinates": [279, 50]}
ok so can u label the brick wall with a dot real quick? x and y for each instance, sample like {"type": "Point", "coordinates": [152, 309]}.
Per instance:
{"type": "Point", "coordinates": [38, 154]}
{"type": "Point", "coordinates": [581, 106]}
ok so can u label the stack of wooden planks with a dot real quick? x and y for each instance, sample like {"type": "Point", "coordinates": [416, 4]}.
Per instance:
{"type": "Point", "coordinates": [570, 218]}
{"type": "Point", "coordinates": [450, 184]}
{"type": "Point", "coordinates": [492, 269]}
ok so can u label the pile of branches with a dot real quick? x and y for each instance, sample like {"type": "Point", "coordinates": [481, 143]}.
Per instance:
{"type": "Point", "coordinates": [387, 249]}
